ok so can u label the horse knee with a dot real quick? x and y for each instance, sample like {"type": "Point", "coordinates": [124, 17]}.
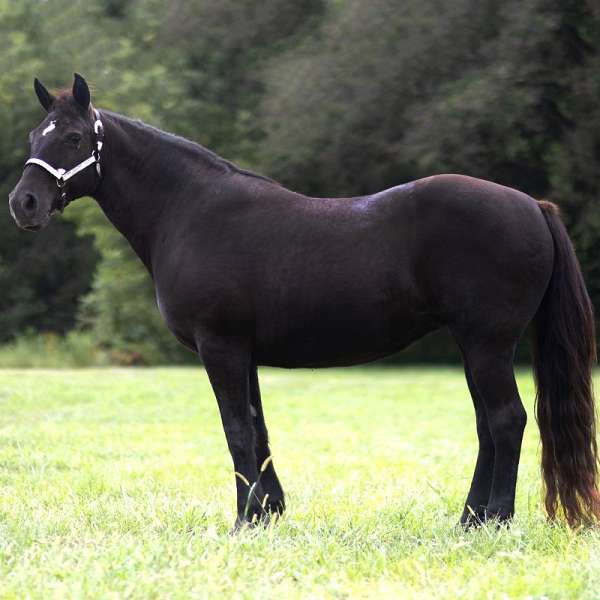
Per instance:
{"type": "Point", "coordinates": [507, 425]}
{"type": "Point", "coordinates": [239, 439]}
{"type": "Point", "coordinates": [483, 430]}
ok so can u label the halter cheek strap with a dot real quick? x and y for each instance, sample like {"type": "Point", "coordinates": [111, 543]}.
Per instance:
{"type": "Point", "coordinates": [62, 175]}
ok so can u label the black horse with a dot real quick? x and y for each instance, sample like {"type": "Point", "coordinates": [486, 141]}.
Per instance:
{"type": "Point", "coordinates": [249, 273]}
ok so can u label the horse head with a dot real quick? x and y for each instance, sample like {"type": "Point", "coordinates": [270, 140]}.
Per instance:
{"type": "Point", "coordinates": [63, 147]}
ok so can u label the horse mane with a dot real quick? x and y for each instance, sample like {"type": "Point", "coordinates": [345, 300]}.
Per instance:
{"type": "Point", "coordinates": [208, 155]}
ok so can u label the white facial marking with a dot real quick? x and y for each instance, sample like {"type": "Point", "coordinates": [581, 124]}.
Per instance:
{"type": "Point", "coordinates": [50, 128]}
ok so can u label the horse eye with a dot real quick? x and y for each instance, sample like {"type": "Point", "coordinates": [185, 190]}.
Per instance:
{"type": "Point", "coordinates": [73, 138]}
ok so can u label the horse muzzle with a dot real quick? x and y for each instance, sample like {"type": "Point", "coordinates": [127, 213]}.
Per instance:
{"type": "Point", "coordinates": [28, 210]}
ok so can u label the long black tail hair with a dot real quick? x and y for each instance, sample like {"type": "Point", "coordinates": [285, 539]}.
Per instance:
{"type": "Point", "coordinates": [564, 347]}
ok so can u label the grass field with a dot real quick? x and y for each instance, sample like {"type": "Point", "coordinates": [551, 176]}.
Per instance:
{"type": "Point", "coordinates": [118, 484]}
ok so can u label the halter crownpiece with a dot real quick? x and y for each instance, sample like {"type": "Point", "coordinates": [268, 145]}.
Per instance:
{"type": "Point", "coordinates": [62, 175]}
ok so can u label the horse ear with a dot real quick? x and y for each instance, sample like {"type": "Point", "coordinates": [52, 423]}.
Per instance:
{"type": "Point", "coordinates": [81, 91]}
{"type": "Point", "coordinates": [44, 96]}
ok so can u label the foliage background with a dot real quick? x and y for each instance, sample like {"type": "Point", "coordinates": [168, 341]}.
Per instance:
{"type": "Point", "coordinates": [331, 97]}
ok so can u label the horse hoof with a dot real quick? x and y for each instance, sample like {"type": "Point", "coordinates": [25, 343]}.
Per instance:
{"type": "Point", "coordinates": [501, 516]}
{"type": "Point", "coordinates": [254, 521]}
{"type": "Point", "coordinates": [472, 519]}
{"type": "Point", "coordinates": [241, 525]}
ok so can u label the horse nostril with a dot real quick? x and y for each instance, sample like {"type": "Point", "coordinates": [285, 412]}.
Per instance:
{"type": "Point", "coordinates": [30, 203]}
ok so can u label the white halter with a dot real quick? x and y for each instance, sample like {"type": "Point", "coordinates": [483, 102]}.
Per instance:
{"type": "Point", "coordinates": [62, 175]}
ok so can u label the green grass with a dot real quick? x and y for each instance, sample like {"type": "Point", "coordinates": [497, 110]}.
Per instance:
{"type": "Point", "coordinates": [117, 484]}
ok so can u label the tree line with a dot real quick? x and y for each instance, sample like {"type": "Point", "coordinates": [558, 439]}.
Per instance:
{"type": "Point", "coordinates": [329, 97]}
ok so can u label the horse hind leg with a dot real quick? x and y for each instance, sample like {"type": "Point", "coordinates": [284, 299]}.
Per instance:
{"type": "Point", "coordinates": [481, 484]}
{"type": "Point", "coordinates": [490, 366]}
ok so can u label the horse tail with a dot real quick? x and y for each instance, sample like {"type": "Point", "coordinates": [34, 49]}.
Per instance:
{"type": "Point", "coordinates": [564, 349]}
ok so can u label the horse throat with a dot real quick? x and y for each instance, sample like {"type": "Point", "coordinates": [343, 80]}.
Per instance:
{"type": "Point", "coordinates": [139, 182]}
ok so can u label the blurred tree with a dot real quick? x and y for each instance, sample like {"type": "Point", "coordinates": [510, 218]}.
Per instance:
{"type": "Point", "coordinates": [220, 49]}
{"type": "Point", "coordinates": [330, 97]}
{"type": "Point", "coordinates": [45, 275]}
{"type": "Point", "coordinates": [388, 93]}
{"type": "Point", "coordinates": [574, 164]}
{"type": "Point", "coordinates": [207, 88]}
{"type": "Point", "coordinates": [338, 108]}
{"type": "Point", "coordinates": [42, 277]}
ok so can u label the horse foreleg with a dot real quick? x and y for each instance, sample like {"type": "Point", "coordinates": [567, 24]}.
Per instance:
{"type": "Point", "coordinates": [227, 365]}
{"type": "Point", "coordinates": [269, 480]}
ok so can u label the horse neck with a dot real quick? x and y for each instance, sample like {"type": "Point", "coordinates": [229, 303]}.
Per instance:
{"type": "Point", "coordinates": [144, 172]}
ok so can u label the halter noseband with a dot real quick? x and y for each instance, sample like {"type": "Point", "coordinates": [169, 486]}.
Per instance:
{"type": "Point", "coordinates": [62, 175]}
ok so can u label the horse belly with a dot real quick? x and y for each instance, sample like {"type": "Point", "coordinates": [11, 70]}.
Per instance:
{"type": "Point", "coordinates": [338, 336]}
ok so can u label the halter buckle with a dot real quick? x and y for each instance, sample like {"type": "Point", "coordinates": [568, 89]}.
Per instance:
{"type": "Point", "coordinates": [60, 182]}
